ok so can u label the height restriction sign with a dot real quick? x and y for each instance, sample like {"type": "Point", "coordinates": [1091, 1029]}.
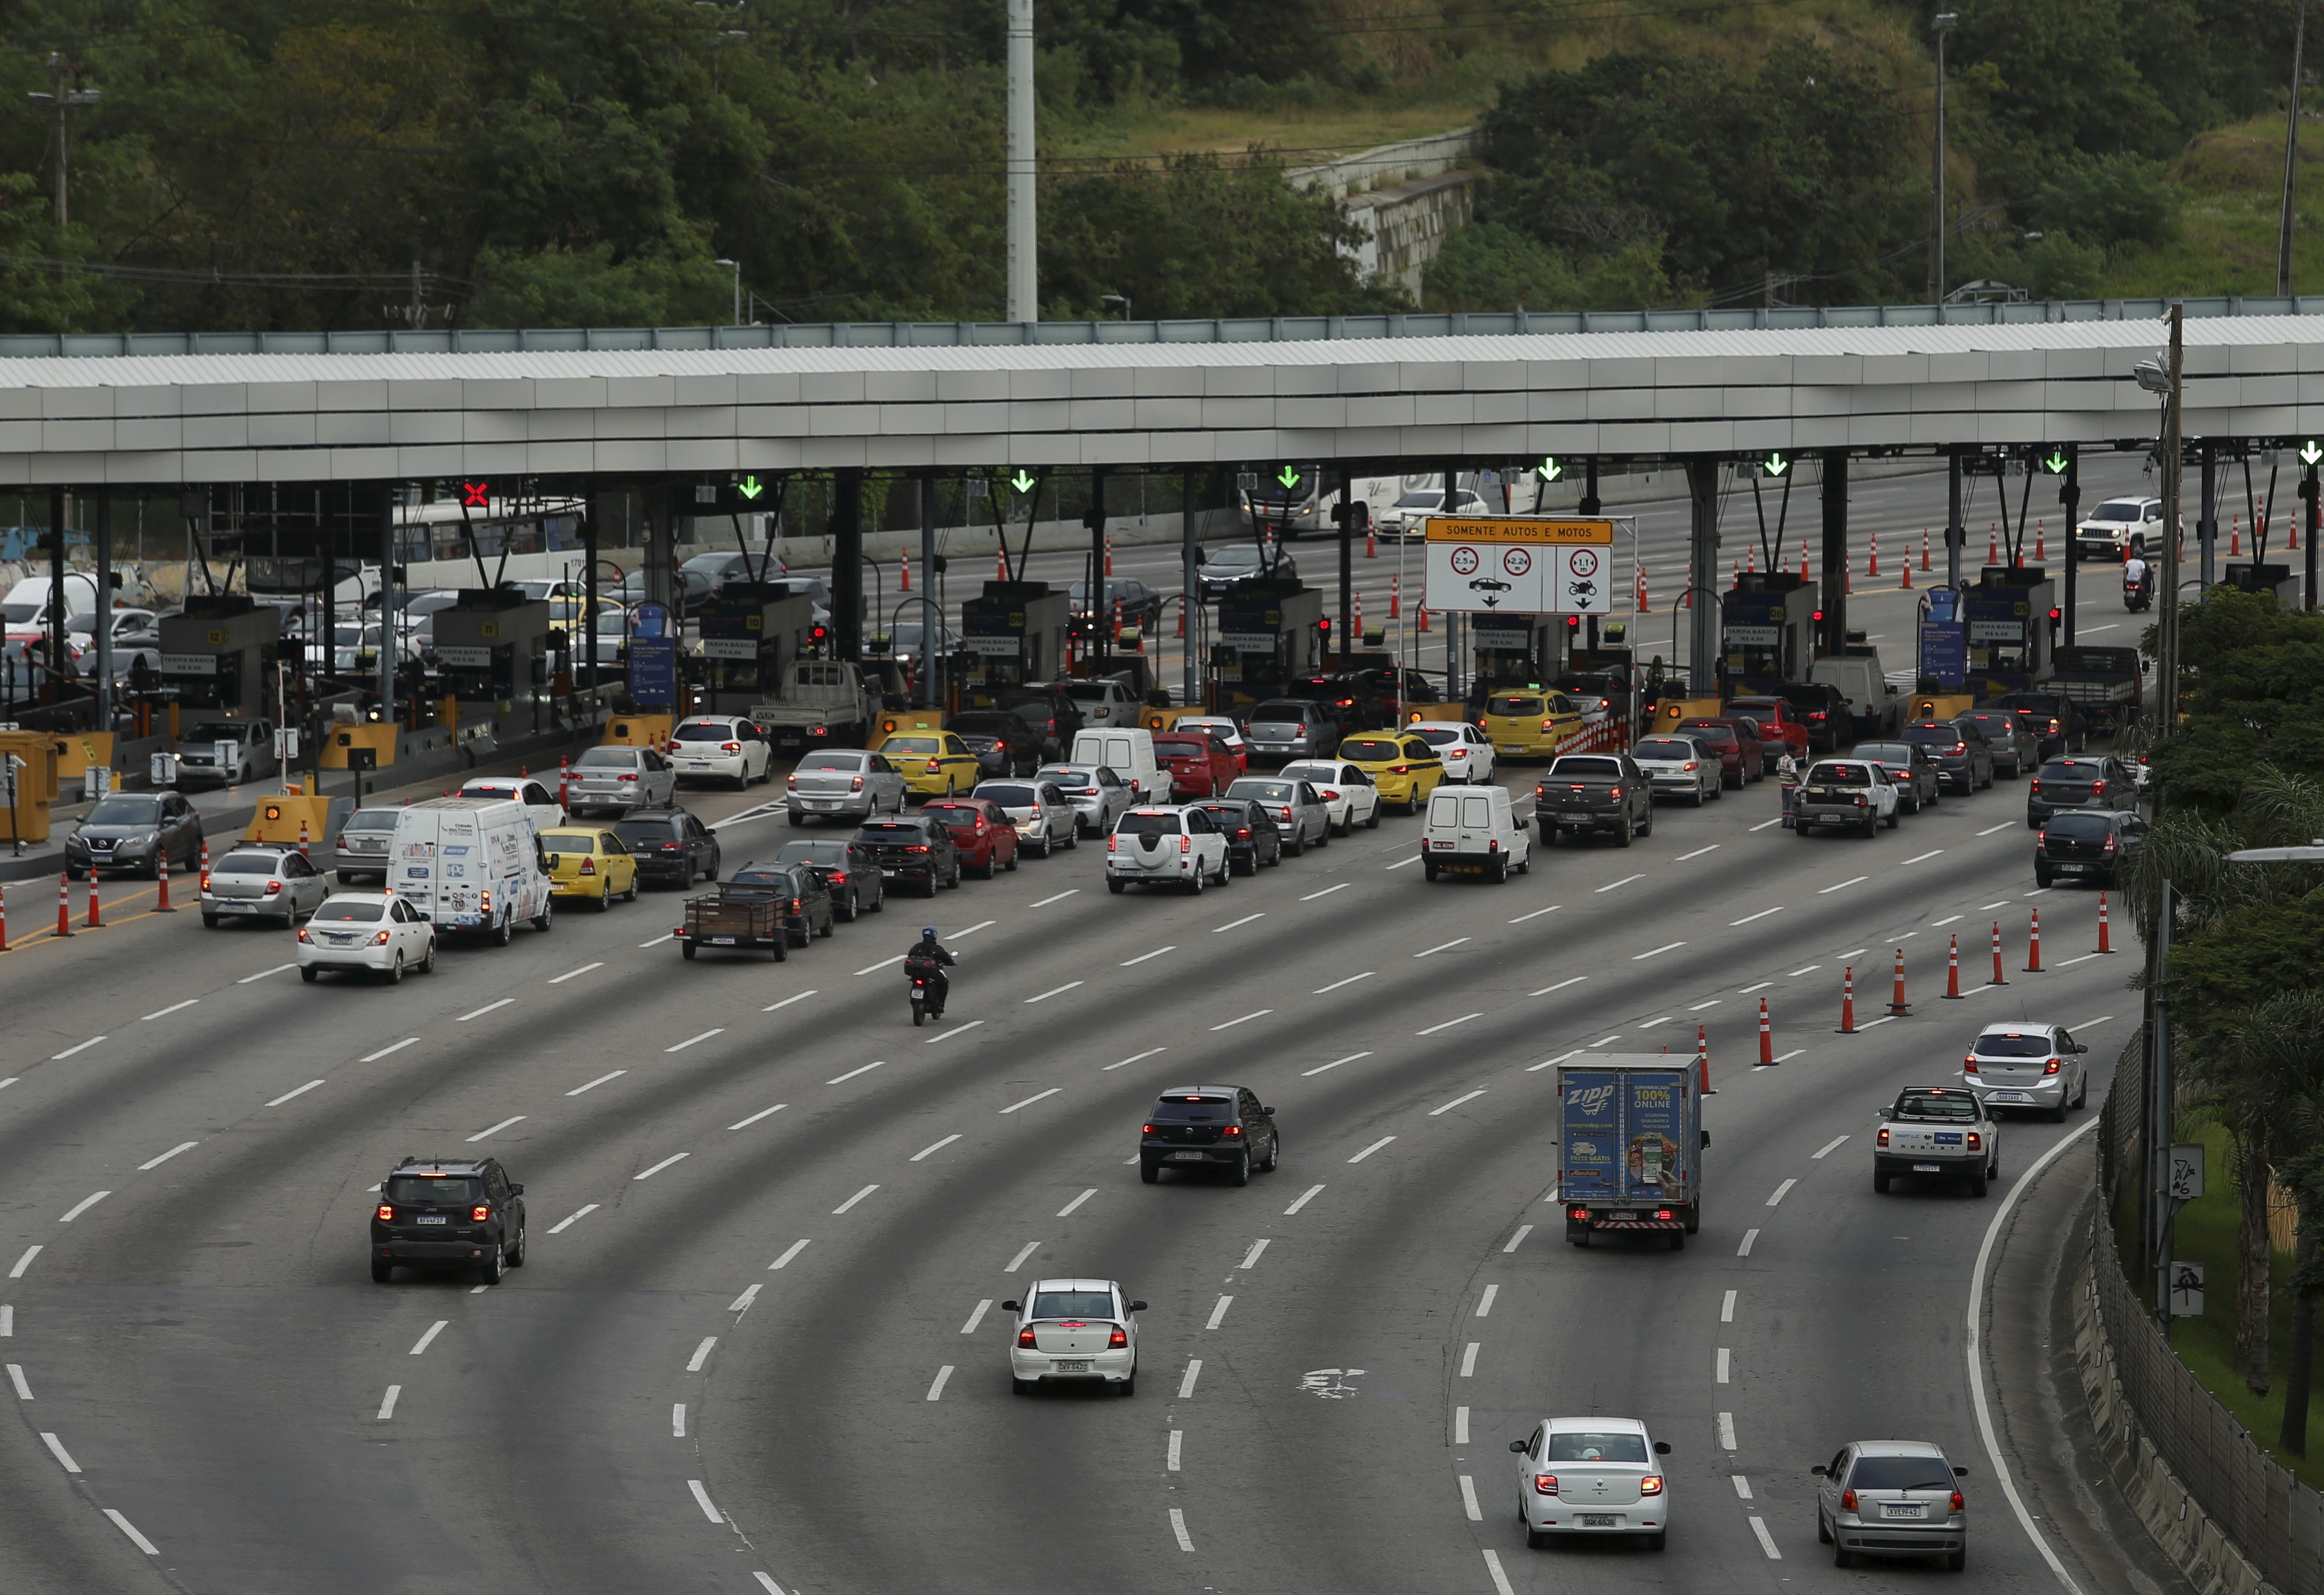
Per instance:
{"type": "Point", "coordinates": [1486, 565]}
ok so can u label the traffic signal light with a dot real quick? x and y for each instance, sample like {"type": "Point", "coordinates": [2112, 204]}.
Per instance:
{"type": "Point", "coordinates": [2056, 616]}
{"type": "Point", "coordinates": [1324, 626]}
{"type": "Point", "coordinates": [1574, 623]}
{"type": "Point", "coordinates": [1818, 617]}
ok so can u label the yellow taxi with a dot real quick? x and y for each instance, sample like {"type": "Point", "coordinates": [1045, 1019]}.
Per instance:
{"type": "Point", "coordinates": [1402, 765]}
{"type": "Point", "coordinates": [1529, 724]}
{"type": "Point", "coordinates": [932, 763]}
{"type": "Point", "coordinates": [584, 862]}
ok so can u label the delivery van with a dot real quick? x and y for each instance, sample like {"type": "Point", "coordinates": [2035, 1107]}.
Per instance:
{"type": "Point", "coordinates": [1128, 751]}
{"type": "Point", "coordinates": [471, 864]}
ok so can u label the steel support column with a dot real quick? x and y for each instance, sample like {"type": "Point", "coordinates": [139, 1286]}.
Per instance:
{"type": "Point", "coordinates": [1588, 506]}
{"type": "Point", "coordinates": [1702, 575]}
{"type": "Point", "coordinates": [588, 589]}
{"type": "Point", "coordinates": [2207, 514]}
{"type": "Point", "coordinates": [60, 610]}
{"type": "Point", "coordinates": [105, 612]}
{"type": "Point", "coordinates": [1955, 532]}
{"type": "Point", "coordinates": [931, 613]}
{"type": "Point", "coordinates": [1347, 564]}
{"type": "Point", "coordinates": [1190, 605]}
{"type": "Point", "coordinates": [660, 505]}
{"type": "Point", "coordinates": [847, 568]}
{"type": "Point", "coordinates": [1101, 611]}
{"type": "Point", "coordinates": [1835, 549]}
{"type": "Point", "coordinates": [2069, 498]}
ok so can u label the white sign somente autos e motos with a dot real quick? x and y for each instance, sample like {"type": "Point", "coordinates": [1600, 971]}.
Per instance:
{"type": "Point", "coordinates": [1519, 565]}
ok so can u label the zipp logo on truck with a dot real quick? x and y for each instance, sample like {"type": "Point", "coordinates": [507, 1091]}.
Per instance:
{"type": "Point", "coordinates": [1591, 1100]}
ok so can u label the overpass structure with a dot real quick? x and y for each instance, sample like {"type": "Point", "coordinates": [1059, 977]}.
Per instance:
{"type": "Point", "coordinates": [576, 409]}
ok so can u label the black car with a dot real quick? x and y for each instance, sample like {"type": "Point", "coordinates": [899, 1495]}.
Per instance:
{"type": "Point", "coordinates": [1823, 708]}
{"type": "Point", "coordinates": [1003, 744]}
{"type": "Point", "coordinates": [1051, 712]}
{"type": "Point", "coordinates": [1911, 766]}
{"type": "Point", "coordinates": [1253, 838]}
{"type": "Point", "coordinates": [848, 873]}
{"type": "Point", "coordinates": [2103, 781]}
{"type": "Point", "coordinates": [914, 851]}
{"type": "Point", "coordinates": [806, 901]}
{"type": "Point", "coordinates": [2054, 719]}
{"type": "Point", "coordinates": [672, 846]}
{"type": "Point", "coordinates": [1964, 757]}
{"type": "Point", "coordinates": [1209, 1126]}
{"type": "Point", "coordinates": [447, 1212]}
{"type": "Point", "coordinates": [136, 830]}
{"type": "Point", "coordinates": [2086, 844]}
{"type": "Point", "coordinates": [2016, 748]}
{"type": "Point", "coordinates": [1348, 699]}
{"type": "Point", "coordinates": [1137, 603]}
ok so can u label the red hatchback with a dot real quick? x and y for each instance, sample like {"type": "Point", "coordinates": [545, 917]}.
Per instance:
{"type": "Point", "coordinates": [1780, 726]}
{"type": "Point", "coordinates": [1742, 757]}
{"type": "Point", "coordinates": [1200, 765]}
{"type": "Point", "coordinates": [986, 838]}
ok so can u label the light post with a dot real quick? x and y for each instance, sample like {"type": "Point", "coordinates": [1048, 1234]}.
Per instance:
{"type": "Point", "coordinates": [1944, 23]}
{"type": "Point", "coordinates": [1111, 301]}
{"type": "Point", "coordinates": [736, 267]}
{"type": "Point", "coordinates": [61, 103]}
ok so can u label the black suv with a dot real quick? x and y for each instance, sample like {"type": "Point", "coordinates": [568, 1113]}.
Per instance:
{"type": "Point", "coordinates": [913, 850]}
{"type": "Point", "coordinates": [2098, 781]}
{"type": "Point", "coordinates": [1052, 713]}
{"type": "Point", "coordinates": [2087, 844]}
{"type": "Point", "coordinates": [672, 847]}
{"type": "Point", "coordinates": [846, 868]}
{"type": "Point", "coordinates": [1253, 838]}
{"type": "Point", "coordinates": [1003, 744]}
{"type": "Point", "coordinates": [447, 1212]}
{"type": "Point", "coordinates": [1209, 1126]}
{"type": "Point", "coordinates": [800, 892]}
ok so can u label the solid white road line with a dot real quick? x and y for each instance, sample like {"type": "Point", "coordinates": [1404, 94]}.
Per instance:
{"type": "Point", "coordinates": [1742, 1487]}
{"type": "Point", "coordinates": [560, 980]}
{"type": "Point", "coordinates": [1067, 1210]}
{"type": "Point", "coordinates": [1177, 1437]}
{"type": "Point", "coordinates": [1561, 985]}
{"type": "Point", "coordinates": [1625, 881]}
{"type": "Point", "coordinates": [1517, 1239]}
{"type": "Point", "coordinates": [1749, 1236]}
{"type": "Point", "coordinates": [1830, 1147]}
{"type": "Point", "coordinates": [1448, 1024]}
{"type": "Point", "coordinates": [851, 1201]}
{"type": "Point", "coordinates": [593, 1085]}
{"type": "Point", "coordinates": [1468, 1500]}
{"type": "Point", "coordinates": [1231, 924]}
{"type": "Point", "coordinates": [1762, 914]}
{"type": "Point", "coordinates": [678, 1420]}
{"type": "Point", "coordinates": [1335, 1063]}
{"type": "Point", "coordinates": [1697, 854]}
{"type": "Point", "coordinates": [701, 1353]}
{"type": "Point", "coordinates": [31, 1252]}
{"type": "Point", "coordinates": [1250, 1258]}
{"type": "Point", "coordinates": [787, 1002]}
{"type": "Point", "coordinates": [1780, 1191]}
{"type": "Point", "coordinates": [2085, 958]}
{"type": "Point", "coordinates": [2003, 825]}
{"type": "Point", "coordinates": [1017, 1262]}
{"type": "Point", "coordinates": [1142, 957]}
{"type": "Point", "coordinates": [1375, 1146]}
{"type": "Point", "coordinates": [1988, 908]}
{"type": "Point", "coordinates": [1037, 1096]}
{"type": "Point", "coordinates": [956, 1031]}
{"type": "Point", "coordinates": [159, 1013]}
{"type": "Point", "coordinates": [1060, 897]}
{"type": "Point", "coordinates": [935, 1389]}
{"type": "Point", "coordinates": [690, 1040]}
{"type": "Point", "coordinates": [973, 929]}
{"type": "Point", "coordinates": [154, 1163]}
{"type": "Point", "coordinates": [68, 1052]}
{"type": "Point", "coordinates": [742, 1303]}
{"type": "Point", "coordinates": [1350, 981]}
{"type": "Point", "coordinates": [83, 1205]}
{"type": "Point", "coordinates": [1446, 947]}
{"type": "Point", "coordinates": [434, 1330]}
{"type": "Point", "coordinates": [2091, 1024]}
{"type": "Point", "coordinates": [16, 1378]}
{"type": "Point", "coordinates": [1607, 1040]}
{"type": "Point", "coordinates": [503, 1124]}
{"type": "Point", "coordinates": [851, 1074]}
{"type": "Point", "coordinates": [287, 1095]}
{"type": "Point", "coordinates": [1723, 1366]}
{"type": "Point", "coordinates": [1919, 857]}
{"type": "Point", "coordinates": [1219, 1313]}
{"type": "Point", "coordinates": [1178, 1527]}
{"type": "Point", "coordinates": [1456, 1101]}
{"type": "Point", "coordinates": [1761, 986]}
{"type": "Point", "coordinates": [10, 1081]}
{"type": "Point", "coordinates": [1255, 1014]}
{"type": "Point", "coordinates": [1134, 1058]}
{"type": "Point", "coordinates": [1468, 1359]}
{"type": "Point", "coordinates": [1843, 886]}
{"type": "Point", "coordinates": [1853, 952]}
{"type": "Point", "coordinates": [1727, 1309]}
{"type": "Point", "coordinates": [1699, 1007]}
{"type": "Point", "coordinates": [883, 963]}
{"type": "Point", "coordinates": [977, 1317]}
{"type": "Point", "coordinates": [1485, 1301]}
{"type": "Point", "coordinates": [1536, 914]}
{"type": "Point", "coordinates": [57, 1448]}
{"type": "Point", "coordinates": [1727, 1431]}
{"type": "Point", "coordinates": [1053, 991]}
{"type": "Point", "coordinates": [1327, 891]}
{"type": "Point", "coordinates": [387, 1402]}
{"type": "Point", "coordinates": [481, 1012]}
{"type": "Point", "coordinates": [665, 1163]}
{"type": "Point", "coordinates": [1766, 1540]}
{"type": "Point", "coordinates": [561, 1225]}
{"type": "Point", "coordinates": [1657, 953]}
{"type": "Point", "coordinates": [789, 1252]}
{"type": "Point", "coordinates": [1186, 1385]}
{"type": "Point", "coordinates": [702, 1499]}
{"type": "Point", "coordinates": [1500, 1580]}
{"type": "Point", "coordinates": [1785, 1057]}
{"type": "Point", "coordinates": [263, 974]}
{"type": "Point", "coordinates": [1763, 825]}
{"type": "Point", "coordinates": [936, 1147]}
{"type": "Point", "coordinates": [373, 1057]}
{"type": "Point", "coordinates": [1305, 1198]}
{"type": "Point", "coordinates": [1460, 1425]}
{"type": "Point", "coordinates": [768, 1584]}
{"type": "Point", "coordinates": [1664, 1019]}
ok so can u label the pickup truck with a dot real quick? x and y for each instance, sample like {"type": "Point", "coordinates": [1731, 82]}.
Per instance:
{"type": "Point", "coordinates": [2107, 685]}
{"type": "Point", "coordinates": [1587, 792]}
{"type": "Point", "coordinates": [1629, 1141]}
{"type": "Point", "coordinates": [1940, 1130]}
{"type": "Point", "coordinates": [1852, 792]}
{"type": "Point", "coordinates": [747, 921]}
{"type": "Point", "coordinates": [824, 703]}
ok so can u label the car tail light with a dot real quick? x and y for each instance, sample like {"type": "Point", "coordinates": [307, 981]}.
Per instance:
{"type": "Point", "coordinates": [1848, 1500]}
{"type": "Point", "coordinates": [1881, 1139]}
{"type": "Point", "coordinates": [1113, 843]}
{"type": "Point", "coordinates": [2096, 788]}
{"type": "Point", "coordinates": [385, 1213]}
{"type": "Point", "coordinates": [1665, 1212]}
{"type": "Point", "coordinates": [1692, 764]}
{"type": "Point", "coordinates": [837, 878]}
{"type": "Point", "coordinates": [1145, 1129]}
{"type": "Point", "coordinates": [2052, 1066]}
{"type": "Point", "coordinates": [2110, 846]}
{"type": "Point", "coordinates": [1283, 813]}
{"type": "Point", "coordinates": [1960, 747]}
{"type": "Point", "coordinates": [479, 1214]}
{"type": "Point", "coordinates": [2054, 725]}
{"type": "Point", "coordinates": [2036, 785]}
{"type": "Point", "coordinates": [630, 777]}
{"type": "Point", "coordinates": [1118, 1339]}
{"type": "Point", "coordinates": [1231, 1130]}
{"type": "Point", "coordinates": [1974, 1139]}
{"type": "Point", "coordinates": [206, 881]}
{"type": "Point", "coordinates": [1616, 792]}
{"type": "Point", "coordinates": [670, 847]}
{"type": "Point", "coordinates": [730, 747]}
{"type": "Point", "coordinates": [792, 781]}
{"type": "Point", "coordinates": [1400, 770]}
{"type": "Point", "coordinates": [1968, 1065]}
{"type": "Point", "coordinates": [934, 766]}
{"type": "Point", "coordinates": [1024, 1337]}
{"type": "Point", "coordinates": [1816, 714]}
{"type": "Point", "coordinates": [1544, 1484]}
{"type": "Point", "coordinates": [794, 905]}
{"type": "Point", "coordinates": [378, 941]}
{"type": "Point", "coordinates": [273, 887]}
{"type": "Point", "coordinates": [588, 866]}
{"type": "Point", "coordinates": [1651, 1484]}
{"type": "Point", "coordinates": [1494, 846]}
{"type": "Point", "coordinates": [2042, 837]}
{"type": "Point", "coordinates": [1580, 1215]}
{"type": "Point", "coordinates": [1958, 1504]}
{"type": "Point", "coordinates": [918, 847]}
{"type": "Point", "coordinates": [1243, 834]}
{"type": "Point", "coordinates": [1185, 844]}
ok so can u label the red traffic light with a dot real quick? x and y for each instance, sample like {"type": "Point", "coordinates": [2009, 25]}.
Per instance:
{"type": "Point", "coordinates": [1574, 623]}
{"type": "Point", "coordinates": [819, 633]}
{"type": "Point", "coordinates": [2057, 614]}
{"type": "Point", "coordinates": [1819, 617]}
{"type": "Point", "coordinates": [1325, 625]}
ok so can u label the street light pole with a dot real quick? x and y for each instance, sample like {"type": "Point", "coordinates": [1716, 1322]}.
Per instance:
{"type": "Point", "coordinates": [61, 103]}
{"type": "Point", "coordinates": [736, 267]}
{"type": "Point", "coordinates": [2291, 154]}
{"type": "Point", "coordinates": [1941, 23]}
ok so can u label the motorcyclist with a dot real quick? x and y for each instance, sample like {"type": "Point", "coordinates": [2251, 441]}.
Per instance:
{"type": "Point", "coordinates": [928, 960]}
{"type": "Point", "coordinates": [2133, 574]}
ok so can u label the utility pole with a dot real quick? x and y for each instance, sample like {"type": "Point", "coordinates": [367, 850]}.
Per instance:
{"type": "Point", "coordinates": [736, 267]}
{"type": "Point", "coordinates": [2291, 158]}
{"type": "Point", "coordinates": [2167, 631]}
{"type": "Point", "coordinates": [62, 103]}
{"type": "Point", "coordinates": [1024, 273]}
{"type": "Point", "coordinates": [1941, 23]}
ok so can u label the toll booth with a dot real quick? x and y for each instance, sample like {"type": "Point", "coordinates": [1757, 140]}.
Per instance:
{"type": "Point", "coordinates": [220, 652]}
{"type": "Point", "coordinates": [493, 647]}
{"type": "Point", "coordinates": [1013, 633]}
{"type": "Point", "coordinates": [1767, 629]}
{"type": "Point", "coordinates": [751, 636]}
{"type": "Point", "coordinates": [2010, 622]}
{"type": "Point", "coordinates": [2277, 580]}
{"type": "Point", "coordinates": [1269, 630]}
{"type": "Point", "coordinates": [1513, 650]}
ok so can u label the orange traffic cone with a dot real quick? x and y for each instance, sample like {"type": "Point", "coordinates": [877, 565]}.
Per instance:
{"type": "Point", "coordinates": [1847, 1001]}
{"type": "Point", "coordinates": [161, 901]}
{"type": "Point", "coordinates": [2040, 547]}
{"type": "Point", "coordinates": [1702, 1061]}
{"type": "Point", "coordinates": [1752, 557]}
{"type": "Point", "coordinates": [2034, 946]}
{"type": "Point", "coordinates": [1643, 605]}
{"type": "Point", "coordinates": [1395, 597]}
{"type": "Point", "coordinates": [563, 779]}
{"type": "Point", "coordinates": [1908, 573]}
{"type": "Point", "coordinates": [1423, 617]}
{"type": "Point", "coordinates": [1355, 624]}
{"type": "Point", "coordinates": [1371, 544]}
{"type": "Point", "coordinates": [1109, 553]}
{"type": "Point", "coordinates": [1952, 969]}
{"type": "Point", "coordinates": [1001, 563]}
{"type": "Point", "coordinates": [1766, 1039]}
{"type": "Point", "coordinates": [96, 916]}
{"type": "Point", "coordinates": [1993, 543]}
{"type": "Point", "coordinates": [1924, 548]}
{"type": "Point", "coordinates": [2105, 943]}
{"type": "Point", "coordinates": [1803, 559]}
{"type": "Point", "coordinates": [1872, 567]}
{"type": "Point", "coordinates": [2235, 535]}
{"type": "Point", "coordinates": [904, 576]}
{"type": "Point", "coordinates": [64, 904]}
{"type": "Point", "coordinates": [1897, 1007]}
{"type": "Point", "coordinates": [302, 826]}
{"type": "Point", "coordinates": [1999, 978]}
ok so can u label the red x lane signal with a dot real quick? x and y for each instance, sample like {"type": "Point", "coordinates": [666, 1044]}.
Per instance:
{"type": "Point", "coordinates": [479, 495]}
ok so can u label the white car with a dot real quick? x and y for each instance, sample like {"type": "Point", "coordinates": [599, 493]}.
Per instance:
{"type": "Point", "coordinates": [1103, 704]}
{"type": "Point", "coordinates": [1348, 793]}
{"type": "Point", "coordinates": [1046, 820]}
{"type": "Point", "coordinates": [1152, 846]}
{"type": "Point", "coordinates": [2028, 1067]}
{"type": "Point", "coordinates": [718, 747]}
{"type": "Point", "coordinates": [1678, 766]}
{"type": "Point", "coordinates": [1403, 518]}
{"type": "Point", "coordinates": [366, 932]}
{"type": "Point", "coordinates": [1593, 1476]}
{"type": "Point", "coordinates": [1221, 727]}
{"type": "Point", "coordinates": [614, 776]}
{"type": "Point", "coordinates": [2119, 528]}
{"type": "Point", "coordinates": [1468, 756]}
{"type": "Point", "coordinates": [1075, 1331]}
{"type": "Point", "coordinates": [537, 800]}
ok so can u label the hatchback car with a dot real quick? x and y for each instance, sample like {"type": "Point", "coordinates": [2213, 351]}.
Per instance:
{"type": "Point", "coordinates": [1593, 1476]}
{"type": "Point", "coordinates": [1201, 765]}
{"type": "Point", "coordinates": [1680, 767]}
{"type": "Point", "coordinates": [362, 846]}
{"type": "Point", "coordinates": [366, 932]}
{"type": "Point", "coordinates": [1295, 805]}
{"type": "Point", "coordinates": [1004, 745]}
{"type": "Point", "coordinates": [1529, 725]}
{"type": "Point", "coordinates": [1964, 757]}
{"type": "Point", "coordinates": [1780, 726]}
{"type": "Point", "coordinates": [2016, 748]}
{"type": "Point", "coordinates": [1466, 751]}
{"type": "Point", "coordinates": [1347, 791]}
{"type": "Point", "coordinates": [721, 748]}
{"type": "Point", "coordinates": [1291, 728]}
{"type": "Point", "coordinates": [913, 851]}
{"type": "Point", "coordinates": [932, 763]}
{"type": "Point", "coordinates": [134, 830]}
{"type": "Point", "coordinates": [1222, 727]}
{"type": "Point", "coordinates": [848, 871]}
{"type": "Point", "coordinates": [671, 847]}
{"type": "Point", "coordinates": [590, 862]}
{"type": "Point", "coordinates": [986, 837]}
{"type": "Point", "coordinates": [1098, 795]}
{"type": "Point", "coordinates": [1213, 1129]}
{"type": "Point", "coordinates": [1879, 1498]}
{"type": "Point", "coordinates": [2102, 781]}
{"type": "Point", "coordinates": [1742, 757]}
{"type": "Point", "coordinates": [447, 1212]}
{"type": "Point", "coordinates": [1404, 767]}
{"type": "Point", "coordinates": [612, 779]}
{"type": "Point", "coordinates": [262, 880]}
{"type": "Point", "coordinates": [844, 783]}
{"type": "Point", "coordinates": [806, 907]}
{"type": "Point", "coordinates": [1253, 838]}
{"type": "Point", "coordinates": [1045, 819]}
{"type": "Point", "coordinates": [2086, 844]}
{"type": "Point", "coordinates": [1913, 767]}
{"type": "Point", "coordinates": [2029, 1067]}
{"type": "Point", "coordinates": [1075, 1331]}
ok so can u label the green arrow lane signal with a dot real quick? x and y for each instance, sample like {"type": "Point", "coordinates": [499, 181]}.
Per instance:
{"type": "Point", "coordinates": [1022, 481]}
{"type": "Point", "coordinates": [1777, 465]}
{"type": "Point", "coordinates": [751, 488]}
{"type": "Point", "coordinates": [1287, 476]}
{"type": "Point", "coordinates": [2310, 453]}
{"type": "Point", "coordinates": [1549, 470]}
{"type": "Point", "coordinates": [2056, 464]}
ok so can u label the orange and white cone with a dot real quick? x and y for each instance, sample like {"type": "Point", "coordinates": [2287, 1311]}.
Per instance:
{"type": "Point", "coordinates": [1702, 1062]}
{"type": "Point", "coordinates": [1847, 1001]}
{"type": "Point", "coordinates": [1952, 969]}
{"type": "Point", "coordinates": [1643, 606]}
{"type": "Point", "coordinates": [162, 900]}
{"type": "Point", "coordinates": [1395, 597]}
{"type": "Point", "coordinates": [64, 903]}
{"type": "Point", "coordinates": [1999, 978]}
{"type": "Point", "coordinates": [1897, 1007]}
{"type": "Point", "coordinates": [302, 836]}
{"type": "Point", "coordinates": [2034, 946]}
{"type": "Point", "coordinates": [2105, 941]}
{"type": "Point", "coordinates": [1924, 548]}
{"type": "Point", "coordinates": [1371, 543]}
{"type": "Point", "coordinates": [1766, 1039]}
{"type": "Point", "coordinates": [1872, 567]}
{"type": "Point", "coordinates": [96, 914]}
{"type": "Point", "coordinates": [903, 575]}
{"type": "Point", "coordinates": [1803, 559]}
{"type": "Point", "coordinates": [2039, 546]}
{"type": "Point", "coordinates": [1993, 543]}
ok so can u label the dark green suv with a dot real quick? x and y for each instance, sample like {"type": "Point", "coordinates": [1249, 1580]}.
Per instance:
{"type": "Point", "coordinates": [447, 1212]}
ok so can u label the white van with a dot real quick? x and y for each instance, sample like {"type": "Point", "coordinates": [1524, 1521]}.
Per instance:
{"type": "Point", "coordinates": [1128, 751]}
{"type": "Point", "coordinates": [26, 606]}
{"type": "Point", "coordinates": [1877, 708]}
{"type": "Point", "coordinates": [471, 863]}
{"type": "Point", "coordinates": [1474, 829]}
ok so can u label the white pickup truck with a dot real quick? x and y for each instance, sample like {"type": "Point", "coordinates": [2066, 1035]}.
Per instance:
{"type": "Point", "coordinates": [825, 703]}
{"type": "Point", "coordinates": [1942, 1131]}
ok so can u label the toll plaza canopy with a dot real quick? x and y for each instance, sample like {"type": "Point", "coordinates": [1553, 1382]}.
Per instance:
{"type": "Point", "coordinates": [91, 410]}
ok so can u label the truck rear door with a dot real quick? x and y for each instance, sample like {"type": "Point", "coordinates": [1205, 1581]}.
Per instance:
{"type": "Point", "coordinates": [1590, 1162]}
{"type": "Point", "coordinates": [1657, 1156]}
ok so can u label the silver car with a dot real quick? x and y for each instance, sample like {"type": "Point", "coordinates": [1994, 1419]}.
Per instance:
{"type": "Point", "coordinates": [1892, 1498]}
{"type": "Point", "coordinates": [1300, 812]}
{"type": "Point", "coordinates": [613, 778]}
{"type": "Point", "coordinates": [2031, 1067]}
{"type": "Point", "coordinates": [361, 848]}
{"type": "Point", "coordinates": [263, 880]}
{"type": "Point", "coordinates": [1679, 767]}
{"type": "Point", "coordinates": [1045, 819]}
{"type": "Point", "coordinates": [226, 752]}
{"type": "Point", "coordinates": [844, 783]}
{"type": "Point", "coordinates": [1098, 796]}
{"type": "Point", "coordinates": [1291, 728]}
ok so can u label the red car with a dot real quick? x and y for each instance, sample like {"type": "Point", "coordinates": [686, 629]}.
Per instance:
{"type": "Point", "coordinates": [1780, 726]}
{"type": "Point", "coordinates": [985, 837]}
{"type": "Point", "coordinates": [1742, 757]}
{"type": "Point", "coordinates": [1200, 764]}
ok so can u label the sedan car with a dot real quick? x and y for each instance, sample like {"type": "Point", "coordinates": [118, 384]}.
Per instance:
{"type": "Point", "coordinates": [589, 863]}
{"type": "Point", "coordinates": [846, 783]}
{"type": "Point", "coordinates": [134, 830]}
{"type": "Point", "coordinates": [807, 910]}
{"type": "Point", "coordinates": [1127, 600]}
{"type": "Point", "coordinates": [262, 880]}
{"type": "Point", "coordinates": [612, 779]}
{"type": "Point", "coordinates": [1405, 516]}
{"type": "Point", "coordinates": [1224, 728]}
{"type": "Point", "coordinates": [721, 748]}
{"type": "Point", "coordinates": [1879, 1498]}
{"type": "Point", "coordinates": [1003, 744]}
{"type": "Point", "coordinates": [2016, 748]}
{"type": "Point", "coordinates": [1595, 1476]}
{"type": "Point", "coordinates": [2102, 782]}
{"type": "Point", "coordinates": [1467, 752]}
{"type": "Point", "coordinates": [362, 845]}
{"type": "Point", "coordinates": [1075, 1331]}
{"type": "Point", "coordinates": [1044, 817]}
{"type": "Point", "coordinates": [986, 837]}
{"type": "Point", "coordinates": [847, 870]}
{"type": "Point", "coordinates": [1211, 1128]}
{"type": "Point", "coordinates": [365, 933]}
{"type": "Point", "coordinates": [2027, 1065]}
{"type": "Point", "coordinates": [1529, 725]}
{"type": "Point", "coordinates": [1780, 726]}
{"type": "Point", "coordinates": [932, 763]}
{"type": "Point", "coordinates": [1297, 808]}
{"type": "Point", "coordinates": [1680, 767]}
{"type": "Point", "coordinates": [1291, 728]}
{"type": "Point", "coordinates": [1913, 767]}
{"type": "Point", "coordinates": [1098, 796]}
{"type": "Point", "coordinates": [1201, 765]}
{"type": "Point", "coordinates": [1229, 567]}
{"type": "Point", "coordinates": [1742, 758]}
{"type": "Point", "coordinates": [1964, 757]}
{"type": "Point", "coordinates": [1404, 767]}
{"type": "Point", "coordinates": [2086, 845]}
{"type": "Point", "coordinates": [1253, 838]}
{"type": "Point", "coordinates": [1347, 791]}
{"type": "Point", "coordinates": [671, 847]}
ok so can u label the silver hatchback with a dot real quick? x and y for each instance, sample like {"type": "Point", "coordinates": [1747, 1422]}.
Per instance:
{"type": "Point", "coordinates": [843, 783]}
{"type": "Point", "coordinates": [1880, 1498]}
{"type": "Point", "coordinates": [1045, 819]}
{"type": "Point", "coordinates": [613, 778]}
{"type": "Point", "coordinates": [1098, 796]}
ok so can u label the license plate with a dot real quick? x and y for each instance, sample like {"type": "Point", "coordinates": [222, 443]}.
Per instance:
{"type": "Point", "coordinates": [1621, 1215]}
{"type": "Point", "coordinates": [1900, 1508]}
{"type": "Point", "coordinates": [1926, 1168]}
{"type": "Point", "coordinates": [722, 941]}
{"type": "Point", "coordinates": [1186, 1158]}
{"type": "Point", "coordinates": [431, 1218]}
{"type": "Point", "coordinates": [887, 868]}
{"type": "Point", "coordinates": [1081, 1367]}
{"type": "Point", "coordinates": [2008, 1096]}
{"type": "Point", "coordinates": [1600, 1520]}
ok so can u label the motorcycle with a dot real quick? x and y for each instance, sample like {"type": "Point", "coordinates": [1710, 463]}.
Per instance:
{"type": "Point", "coordinates": [923, 993]}
{"type": "Point", "coordinates": [2139, 595]}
